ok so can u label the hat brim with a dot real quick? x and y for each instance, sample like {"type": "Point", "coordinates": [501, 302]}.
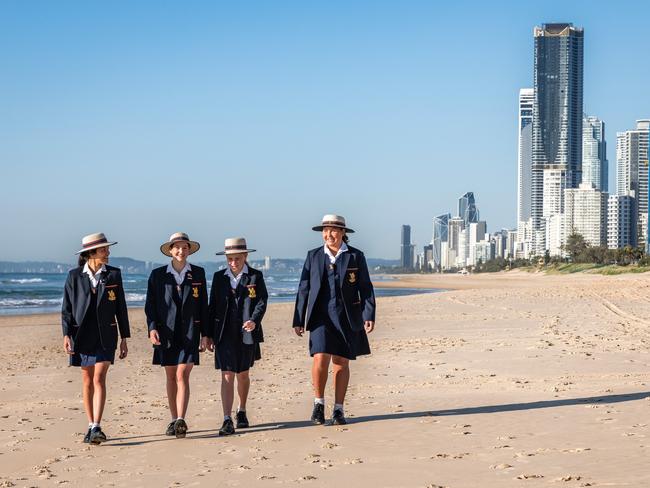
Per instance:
{"type": "Point", "coordinates": [321, 227]}
{"type": "Point", "coordinates": [167, 247]}
{"type": "Point", "coordinates": [97, 246]}
{"type": "Point", "coordinates": [234, 251]}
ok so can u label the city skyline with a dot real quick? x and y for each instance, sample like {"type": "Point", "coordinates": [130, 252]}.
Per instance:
{"type": "Point", "coordinates": [145, 103]}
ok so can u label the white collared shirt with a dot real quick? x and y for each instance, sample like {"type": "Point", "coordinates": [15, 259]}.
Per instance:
{"type": "Point", "coordinates": [342, 249]}
{"type": "Point", "coordinates": [94, 278]}
{"type": "Point", "coordinates": [179, 277]}
{"type": "Point", "coordinates": [234, 280]}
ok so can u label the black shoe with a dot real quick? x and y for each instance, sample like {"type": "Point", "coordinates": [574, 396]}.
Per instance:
{"type": "Point", "coordinates": [318, 414]}
{"type": "Point", "coordinates": [227, 428]}
{"type": "Point", "coordinates": [87, 437]}
{"type": "Point", "coordinates": [242, 420]}
{"type": "Point", "coordinates": [180, 428]}
{"type": "Point", "coordinates": [171, 428]}
{"type": "Point", "coordinates": [338, 418]}
{"type": "Point", "coordinates": [96, 436]}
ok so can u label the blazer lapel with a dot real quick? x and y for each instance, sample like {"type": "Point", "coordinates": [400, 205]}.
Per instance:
{"type": "Point", "coordinates": [343, 266]}
{"type": "Point", "coordinates": [187, 285]}
{"type": "Point", "coordinates": [169, 287]}
{"type": "Point", "coordinates": [101, 286]}
{"type": "Point", "coordinates": [320, 264]}
{"type": "Point", "coordinates": [85, 286]}
{"type": "Point", "coordinates": [242, 286]}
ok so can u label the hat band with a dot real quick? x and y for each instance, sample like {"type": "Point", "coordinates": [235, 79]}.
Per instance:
{"type": "Point", "coordinates": [333, 222]}
{"type": "Point", "coordinates": [229, 248]}
{"type": "Point", "coordinates": [186, 239]}
{"type": "Point", "coordinates": [92, 243]}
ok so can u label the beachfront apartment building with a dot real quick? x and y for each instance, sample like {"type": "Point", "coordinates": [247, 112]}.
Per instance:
{"type": "Point", "coordinates": [440, 233]}
{"type": "Point", "coordinates": [585, 213]}
{"type": "Point", "coordinates": [525, 153]}
{"type": "Point", "coordinates": [595, 168]}
{"type": "Point", "coordinates": [621, 225]}
{"type": "Point", "coordinates": [557, 113]}
{"type": "Point", "coordinates": [632, 173]}
{"type": "Point", "coordinates": [406, 249]}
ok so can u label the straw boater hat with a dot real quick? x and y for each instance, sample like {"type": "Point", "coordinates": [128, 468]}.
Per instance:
{"type": "Point", "coordinates": [331, 220]}
{"type": "Point", "coordinates": [178, 237]}
{"type": "Point", "coordinates": [94, 241]}
{"type": "Point", "coordinates": [234, 245]}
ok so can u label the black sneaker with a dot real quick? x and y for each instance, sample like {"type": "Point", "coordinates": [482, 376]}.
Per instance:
{"type": "Point", "coordinates": [227, 428]}
{"type": "Point", "coordinates": [338, 418]}
{"type": "Point", "coordinates": [318, 414]}
{"type": "Point", "coordinates": [87, 437]}
{"type": "Point", "coordinates": [171, 428]}
{"type": "Point", "coordinates": [180, 428]}
{"type": "Point", "coordinates": [96, 436]}
{"type": "Point", "coordinates": [242, 420]}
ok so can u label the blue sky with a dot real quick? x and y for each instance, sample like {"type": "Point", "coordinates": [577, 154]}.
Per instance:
{"type": "Point", "coordinates": [255, 118]}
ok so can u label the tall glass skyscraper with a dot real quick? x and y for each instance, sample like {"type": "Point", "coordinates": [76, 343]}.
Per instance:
{"type": "Point", "coordinates": [557, 109]}
{"type": "Point", "coordinates": [440, 233]}
{"type": "Point", "coordinates": [595, 169]}
{"type": "Point", "coordinates": [467, 208]}
{"type": "Point", "coordinates": [525, 154]}
{"type": "Point", "coordinates": [406, 249]}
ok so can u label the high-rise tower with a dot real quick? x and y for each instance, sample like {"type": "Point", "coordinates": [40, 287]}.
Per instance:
{"type": "Point", "coordinates": [557, 112]}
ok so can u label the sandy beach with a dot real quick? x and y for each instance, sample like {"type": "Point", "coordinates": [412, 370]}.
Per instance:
{"type": "Point", "coordinates": [506, 380]}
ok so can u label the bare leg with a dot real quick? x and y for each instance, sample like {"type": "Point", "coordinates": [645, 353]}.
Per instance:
{"type": "Point", "coordinates": [341, 371]}
{"type": "Point", "coordinates": [183, 387]}
{"type": "Point", "coordinates": [99, 384]}
{"type": "Point", "coordinates": [243, 386]}
{"type": "Point", "coordinates": [172, 390]}
{"type": "Point", "coordinates": [319, 373]}
{"type": "Point", "coordinates": [227, 391]}
{"type": "Point", "coordinates": [87, 373]}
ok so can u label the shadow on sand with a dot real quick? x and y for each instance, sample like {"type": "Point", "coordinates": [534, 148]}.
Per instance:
{"type": "Point", "coordinates": [507, 407]}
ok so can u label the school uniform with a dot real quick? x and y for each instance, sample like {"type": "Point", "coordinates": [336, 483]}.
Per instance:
{"type": "Point", "coordinates": [234, 301]}
{"type": "Point", "coordinates": [177, 307]}
{"type": "Point", "coordinates": [335, 296]}
{"type": "Point", "coordinates": [94, 308]}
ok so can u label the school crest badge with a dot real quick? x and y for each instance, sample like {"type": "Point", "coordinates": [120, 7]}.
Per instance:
{"type": "Point", "coordinates": [352, 277]}
{"type": "Point", "coordinates": [111, 296]}
{"type": "Point", "coordinates": [251, 292]}
{"type": "Point", "coordinates": [195, 292]}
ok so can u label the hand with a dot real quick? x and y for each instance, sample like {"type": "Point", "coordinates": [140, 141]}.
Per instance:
{"type": "Point", "coordinates": [206, 344]}
{"type": "Point", "coordinates": [369, 325]}
{"type": "Point", "coordinates": [299, 331]}
{"type": "Point", "coordinates": [154, 337]}
{"type": "Point", "coordinates": [67, 345]}
{"type": "Point", "coordinates": [124, 350]}
{"type": "Point", "coordinates": [249, 326]}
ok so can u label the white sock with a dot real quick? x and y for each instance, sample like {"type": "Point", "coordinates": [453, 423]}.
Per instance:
{"type": "Point", "coordinates": [338, 406]}
{"type": "Point", "coordinates": [239, 409]}
{"type": "Point", "coordinates": [180, 418]}
{"type": "Point", "coordinates": [227, 417]}
{"type": "Point", "coordinates": [319, 401]}
{"type": "Point", "coordinates": [174, 419]}
{"type": "Point", "coordinates": [90, 425]}
{"type": "Point", "coordinates": [94, 424]}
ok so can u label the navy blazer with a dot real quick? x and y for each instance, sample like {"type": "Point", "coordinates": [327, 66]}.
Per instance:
{"type": "Point", "coordinates": [111, 306]}
{"type": "Point", "coordinates": [356, 288]}
{"type": "Point", "coordinates": [251, 289]}
{"type": "Point", "coordinates": [160, 307]}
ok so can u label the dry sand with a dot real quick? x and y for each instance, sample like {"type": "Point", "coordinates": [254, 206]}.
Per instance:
{"type": "Point", "coordinates": [515, 380]}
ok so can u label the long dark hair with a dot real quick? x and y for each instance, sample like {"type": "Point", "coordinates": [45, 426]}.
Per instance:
{"type": "Point", "coordinates": [83, 257]}
{"type": "Point", "coordinates": [346, 239]}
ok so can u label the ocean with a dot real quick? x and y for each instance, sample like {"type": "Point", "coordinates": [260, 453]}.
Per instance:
{"type": "Point", "coordinates": [31, 293]}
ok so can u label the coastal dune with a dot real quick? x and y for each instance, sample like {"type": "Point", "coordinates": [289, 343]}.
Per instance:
{"type": "Point", "coordinates": [504, 380]}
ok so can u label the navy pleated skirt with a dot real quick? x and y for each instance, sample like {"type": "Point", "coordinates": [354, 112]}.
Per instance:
{"type": "Point", "coordinates": [176, 355]}
{"type": "Point", "coordinates": [100, 355]}
{"type": "Point", "coordinates": [325, 337]}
